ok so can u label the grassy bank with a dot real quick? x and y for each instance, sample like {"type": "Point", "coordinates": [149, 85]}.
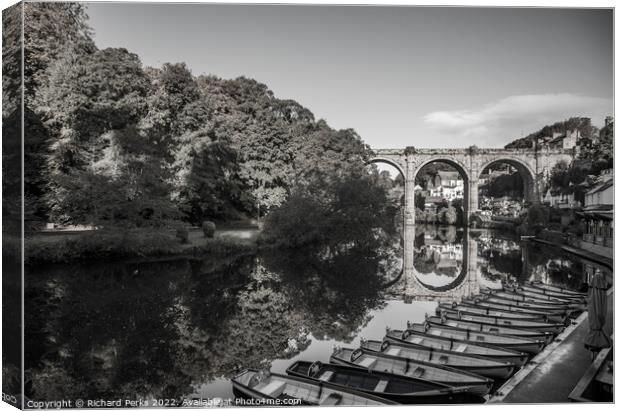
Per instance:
{"type": "Point", "coordinates": [43, 248]}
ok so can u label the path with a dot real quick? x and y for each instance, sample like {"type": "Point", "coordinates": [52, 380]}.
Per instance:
{"type": "Point", "coordinates": [553, 378]}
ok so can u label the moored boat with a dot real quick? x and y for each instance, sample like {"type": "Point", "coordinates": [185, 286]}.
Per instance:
{"type": "Point", "coordinates": [554, 328]}
{"type": "Point", "coordinates": [405, 390]}
{"type": "Point", "coordinates": [514, 296]}
{"type": "Point", "coordinates": [519, 304]}
{"type": "Point", "coordinates": [547, 337]}
{"type": "Point", "coordinates": [411, 368]}
{"type": "Point", "coordinates": [439, 343]}
{"type": "Point", "coordinates": [496, 313]}
{"type": "Point", "coordinates": [289, 390]}
{"type": "Point", "coordinates": [506, 306]}
{"type": "Point", "coordinates": [479, 365]}
{"type": "Point", "coordinates": [523, 344]}
{"type": "Point", "coordinates": [544, 295]}
{"type": "Point", "coordinates": [550, 287]}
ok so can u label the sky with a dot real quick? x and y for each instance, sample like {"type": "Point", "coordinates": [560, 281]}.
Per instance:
{"type": "Point", "coordinates": [434, 77]}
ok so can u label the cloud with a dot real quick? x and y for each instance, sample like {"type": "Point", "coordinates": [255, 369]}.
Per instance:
{"type": "Point", "coordinates": [497, 123]}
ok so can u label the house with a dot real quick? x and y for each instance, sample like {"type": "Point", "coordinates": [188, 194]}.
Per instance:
{"type": "Point", "coordinates": [598, 215]}
{"type": "Point", "coordinates": [560, 200]}
{"type": "Point", "coordinates": [565, 141]}
{"type": "Point", "coordinates": [448, 185]}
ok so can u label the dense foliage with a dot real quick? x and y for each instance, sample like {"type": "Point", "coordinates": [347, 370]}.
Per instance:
{"type": "Point", "coordinates": [115, 144]}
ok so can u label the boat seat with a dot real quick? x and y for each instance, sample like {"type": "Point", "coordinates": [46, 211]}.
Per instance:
{"type": "Point", "coordinates": [381, 386]}
{"type": "Point", "coordinates": [460, 348]}
{"type": "Point", "coordinates": [367, 362]}
{"type": "Point", "coordinates": [416, 340]}
{"type": "Point", "coordinates": [393, 351]}
{"type": "Point", "coordinates": [274, 388]}
{"type": "Point", "coordinates": [331, 399]}
{"type": "Point", "coordinates": [326, 376]}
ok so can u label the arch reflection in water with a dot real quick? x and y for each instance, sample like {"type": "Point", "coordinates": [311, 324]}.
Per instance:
{"type": "Point", "coordinates": [440, 263]}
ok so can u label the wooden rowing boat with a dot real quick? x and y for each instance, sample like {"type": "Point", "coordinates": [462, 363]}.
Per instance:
{"type": "Point", "coordinates": [554, 328]}
{"type": "Point", "coordinates": [523, 344]}
{"type": "Point", "coordinates": [547, 337]}
{"type": "Point", "coordinates": [512, 296]}
{"type": "Point", "coordinates": [493, 313]}
{"type": "Point", "coordinates": [438, 343]}
{"type": "Point", "coordinates": [505, 306]}
{"type": "Point", "coordinates": [291, 390]}
{"type": "Point", "coordinates": [542, 295]}
{"type": "Point", "coordinates": [546, 294]}
{"type": "Point", "coordinates": [398, 388]}
{"type": "Point", "coordinates": [411, 368]}
{"type": "Point", "coordinates": [550, 287]}
{"type": "Point", "coordinates": [516, 304]}
{"type": "Point", "coordinates": [478, 365]}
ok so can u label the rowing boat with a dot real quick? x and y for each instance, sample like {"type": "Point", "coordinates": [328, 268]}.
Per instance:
{"type": "Point", "coordinates": [556, 288]}
{"type": "Point", "coordinates": [494, 313]}
{"type": "Point", "coordinates": [505, 306]}
{"type": "Point", "coordinates": [512, 296]}
{"type": "Point", "coordinates": [404, 390]}
{"type": "Point", "coordinates": [438, 343]}
{"type": "Point", "coordinates": [479, 365]}
{"type": "Point", "coordinates": [554, 328]}
{"type": "Point", "coordinates": [411, 368]}
{"type": "Point", "coordinates": [291, 390]}
{"type": "Point", "coordinates": [542, 295]}
{"type": "Point", "coordinates": [507, 302]}
{"type": "Point", "coordinates": [547, 337]}
{"type": "Point", "coordinates": [527, 345]}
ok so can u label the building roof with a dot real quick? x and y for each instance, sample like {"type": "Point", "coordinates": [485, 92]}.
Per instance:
{"type": "Point", "coordinates": [449, 175]}
{"type": "Point", "coordinates": [600, 187]}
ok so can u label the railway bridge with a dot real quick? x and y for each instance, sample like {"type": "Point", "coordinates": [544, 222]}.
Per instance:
{"type": "Point", "coordinates": [534, 166]}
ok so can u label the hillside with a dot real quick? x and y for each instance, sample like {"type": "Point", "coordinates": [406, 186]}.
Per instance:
{"type": "Point", "coordinates": [583, 124]}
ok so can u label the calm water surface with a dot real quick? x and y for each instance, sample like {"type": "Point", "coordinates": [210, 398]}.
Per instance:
{"type": "Point", "coordinates": [179, 329]}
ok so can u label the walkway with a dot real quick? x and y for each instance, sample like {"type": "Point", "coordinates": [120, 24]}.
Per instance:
{"type": "Point", "coordinates": [555, 376]}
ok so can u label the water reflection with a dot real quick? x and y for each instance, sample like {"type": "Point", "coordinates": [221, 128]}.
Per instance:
{"type": "Point", "coordinates": [171, 329]}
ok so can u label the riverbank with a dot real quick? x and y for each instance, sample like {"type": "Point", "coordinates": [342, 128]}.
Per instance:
{"type": "Point", "coordinates": [67, 247]}
{"type": "Point", "coordinates": [586, 254]}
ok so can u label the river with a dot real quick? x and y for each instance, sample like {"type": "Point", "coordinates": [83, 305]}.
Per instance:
{"type": "Point", "coordinates": [181, 328]}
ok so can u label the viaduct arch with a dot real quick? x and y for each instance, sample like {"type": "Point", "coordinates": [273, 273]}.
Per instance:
{"type": "Point", "coordinates": [534, 167]}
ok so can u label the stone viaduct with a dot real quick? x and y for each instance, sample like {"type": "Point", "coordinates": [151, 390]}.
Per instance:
{"type": "Point", "coordinates": [534, 167]}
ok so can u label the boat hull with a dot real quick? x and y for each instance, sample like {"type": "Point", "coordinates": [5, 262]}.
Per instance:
{"type": "Point", "coordinates": [506, 322]}
{"type": "Point", "coordinates": [436, 394]}
{"type": "Point", "coordinates": [478, 385]}
{"type": "Point", "coordinates": [493, 329]}
{"type": "Point", "coordinates": [495, 371]}
{"type": "Point", "coordinates": [518, 359]}
{"type": "Point", "coordinates": [519, 344]}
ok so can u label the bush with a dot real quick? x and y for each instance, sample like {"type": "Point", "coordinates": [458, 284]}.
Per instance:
{"type": "Point", "coordinates": [208, 228]}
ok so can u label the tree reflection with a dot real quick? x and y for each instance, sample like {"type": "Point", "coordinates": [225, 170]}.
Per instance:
{"type": "Point", "coordinates": [152, 330]}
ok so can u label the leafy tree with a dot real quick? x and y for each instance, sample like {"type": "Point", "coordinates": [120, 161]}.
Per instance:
{"type": "Point", "coordinates": [50, 29]}
{"type": "Point", "coordinates": [420, 201]}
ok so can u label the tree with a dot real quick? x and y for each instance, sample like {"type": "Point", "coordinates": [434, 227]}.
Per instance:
{"type": "Point", "coordinates": [50, 30]}
{"type": "Point", "coordinates": [449, 215]}
{"type": "Point", "coordinates": [420, 201]}
{"type": "Point", "coordinates": [104, 170]}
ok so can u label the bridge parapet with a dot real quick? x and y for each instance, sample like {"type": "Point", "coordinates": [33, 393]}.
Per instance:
{"type": "Point", "coordinates": [470, 151]}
